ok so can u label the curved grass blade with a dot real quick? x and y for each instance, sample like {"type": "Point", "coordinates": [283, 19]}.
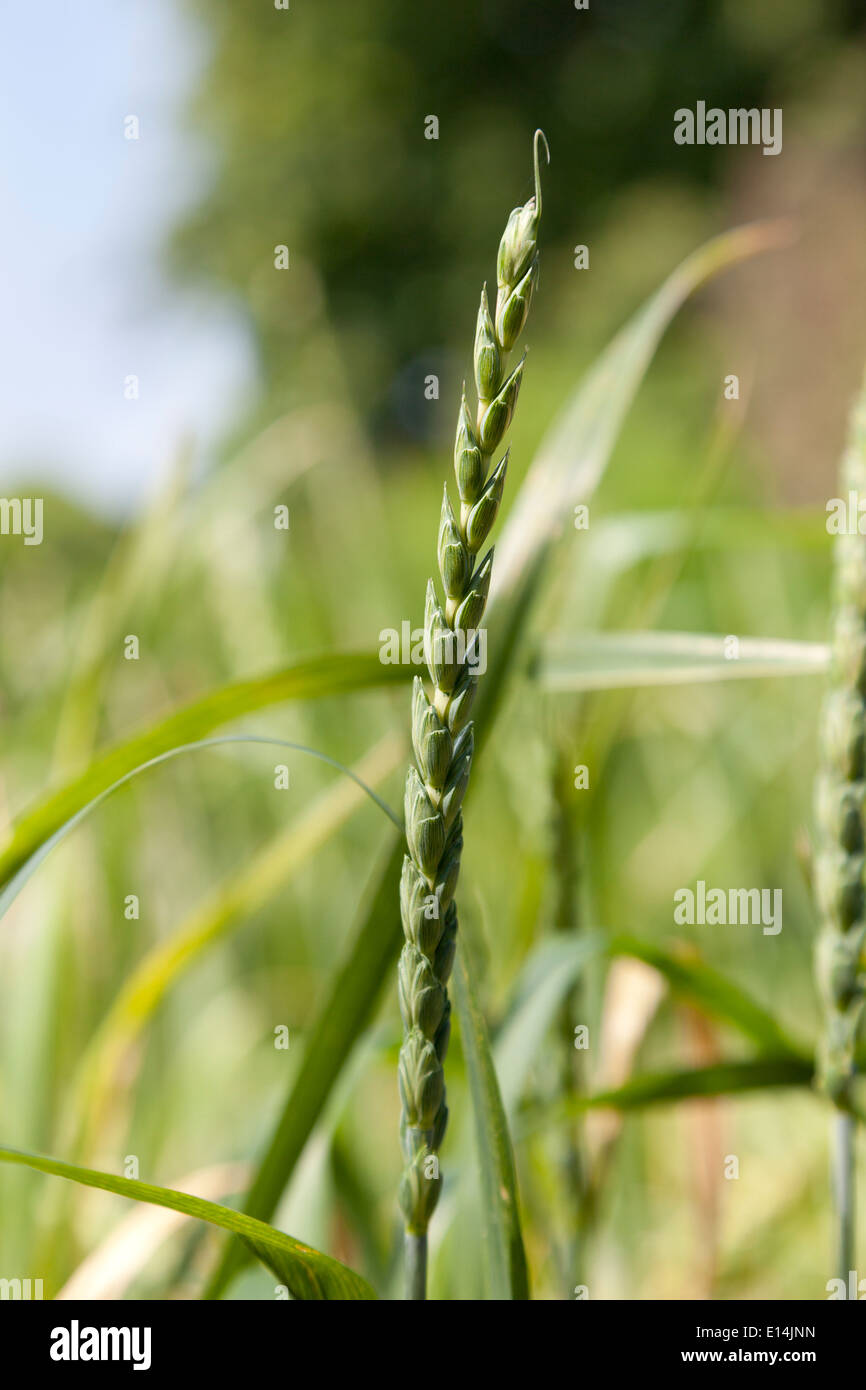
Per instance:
{"type": "Point", "coordinates": [345, 1011]}
{"type": "Point", "coordinates": [505, 1258]}
{"type": "Point", "coordinates": [307, 1274]}
{"type": "Point", "coordinates": [548, 974]}
{"type": "Point", "coordinates": [573, 455]}
{"type": "Point", "coordinates": [691, 978]}
{"type": "Point", "coordinates": [110, 1268]}
{"type": "Point", "coordinates": [313, 679]}
{"type": "Point", "coordinates": [180, 530]}
{"type": "Point", "coordinates": [16, 883]}
{"type": "Point", "coordinates": [677, 1084]}
{"type": "Point", "coordinates": [622, 660]}
{"type": "Point", "coordinates": [719, 1079]}
{"type": "Point", "coordinates": [624, 539]}
{"type": "Point", "coordinates": [547, 977]}
{"type": "Point", "coordinates": [135, 574]}
{"type": "Point", "coordinates": [234, 902]}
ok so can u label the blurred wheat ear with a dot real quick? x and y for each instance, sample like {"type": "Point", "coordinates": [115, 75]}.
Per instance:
{"type": "Point", "coordinates": [841, 834]}
{"type": "Point", "coordinates": [442, 733]}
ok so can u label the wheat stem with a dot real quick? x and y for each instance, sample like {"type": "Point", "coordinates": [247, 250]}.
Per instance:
{"type": "Point", "coordinates": [844, 1191]}
{"type": "Point", "coordinates": [416, 1266]}
{"type": "Point", "coordinates": [442, 735]}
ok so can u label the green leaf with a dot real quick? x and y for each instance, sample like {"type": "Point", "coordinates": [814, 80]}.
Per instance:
{"type": "Point", "coordinates": [134, 575]}
{"type": "Point", "coordinates": [307, 680]}
{"type": "Point", "coordinates": [574, 454]}
{"type": "Point", "coordinates": [141, 994]}
{"type": "Point", "coordinates": [617, 660]}
{"type": "Point", "coordinates": [16, 883]}
{"type": "Point", "coordinates": [307, 1274]}
{"type": "Point", "coordinates": [234, 901]}
{"type": "Point", "coordinates": [345, 1011]}
{"type": "Point", "coordinates": [547, 977]}
{"type": "Point", "coordinates": [694, 980]}
{"type": "Point", "coordinates": [622, 539]}
{"type": "Point", "coordinates": [505, 1258]}
{"type": "Point", "coordinates": [549, 973]}
{"type": "Point", "coordinates": [720, 1079]}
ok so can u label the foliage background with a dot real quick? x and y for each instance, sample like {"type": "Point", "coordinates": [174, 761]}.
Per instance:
{"type": "Point", "coordinates": [710, 519]}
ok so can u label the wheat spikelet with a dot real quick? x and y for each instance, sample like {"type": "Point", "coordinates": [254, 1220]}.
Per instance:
{"type": "Point", "coordinates": [841, 798]}
{"type": "Point", "coordinates": [442, 736]}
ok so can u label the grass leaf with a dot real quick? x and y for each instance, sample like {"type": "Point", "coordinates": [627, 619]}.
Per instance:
{"type": "Point", "coordinates": [345, 1011]}
{"type": "Point", "coordinates": [505, 1258]}
{"type": "Point", "coordinates": [19, 878]}
{"type": "Point", "coordinates": [691, 978]}
{"type": "Point", "coordinates": [233, 902]}
{"type": "Point", "coordinates": [719, 1079]}
{"type": "Point", "coordinates": [548, 975]}
{"type": "Point", "coordinates": [619, 660]}
{"type": "Point", "coordinates": [574, 454]}
{"type": "Point", "coordinates": [320, 676]}
{"type": "Point", "coordinates": [307, 1274]}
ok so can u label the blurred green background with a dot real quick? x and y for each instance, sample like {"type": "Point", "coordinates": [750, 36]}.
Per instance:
{"type": "Point", "coordinates": [710, 519]}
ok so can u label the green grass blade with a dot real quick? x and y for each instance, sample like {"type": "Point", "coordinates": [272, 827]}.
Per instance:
{"type": "Point", "coordinates": [548, 975]}
{"type": "Point", "coordinates": [134, 576]}
{"type": "Point", "coordinates": [549, 972]}
{"type": "Point", "coordinates": [320, 676]}
{"type": "Point", "coordinates": [235, 900]}
{"type": "Point", "coordinates": [307, 1274]}
{"type": "Point", "coordinates": [20, 877]}
{"type": "Point", "coordinates": [344, 1013]}
{"type": "Point", "coordinates": [713, 993]}
{"type": "Point", "coordinates": [505, 1258]}
{"type": "Point", "coordinates": [622, 660]}
{"type": "Point", "coordinates": [719, 1079]}
{"type": "Point", "coordinates": [573, 456]}
{"type": "Point", "coordinates": [623, 539]}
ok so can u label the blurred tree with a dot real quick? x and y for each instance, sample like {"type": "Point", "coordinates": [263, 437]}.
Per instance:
{"type": "Point", "coordinates": [318, 112]}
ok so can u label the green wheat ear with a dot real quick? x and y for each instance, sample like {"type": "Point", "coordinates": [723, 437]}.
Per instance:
{"type": "Point", "coordinates": [840, 800]}
{"type": "Point", "coordinates": [442, 737]}
{"type": "Point", "coordinates": [840, 881]}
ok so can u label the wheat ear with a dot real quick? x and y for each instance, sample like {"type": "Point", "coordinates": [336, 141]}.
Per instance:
{"type": "Point", "coordinates": [442, 736]}
{"type": "Point", "coordinates": [840, 814]}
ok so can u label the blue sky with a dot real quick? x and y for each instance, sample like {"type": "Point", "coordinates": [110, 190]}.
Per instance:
{"type": "Point", "coordinates": [83, 299]}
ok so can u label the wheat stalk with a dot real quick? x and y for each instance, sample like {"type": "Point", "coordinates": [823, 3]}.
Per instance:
{"type": "Point", "coordinates": [840, 813]}
{"type": "Point", "coordinates": [442, 736]}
